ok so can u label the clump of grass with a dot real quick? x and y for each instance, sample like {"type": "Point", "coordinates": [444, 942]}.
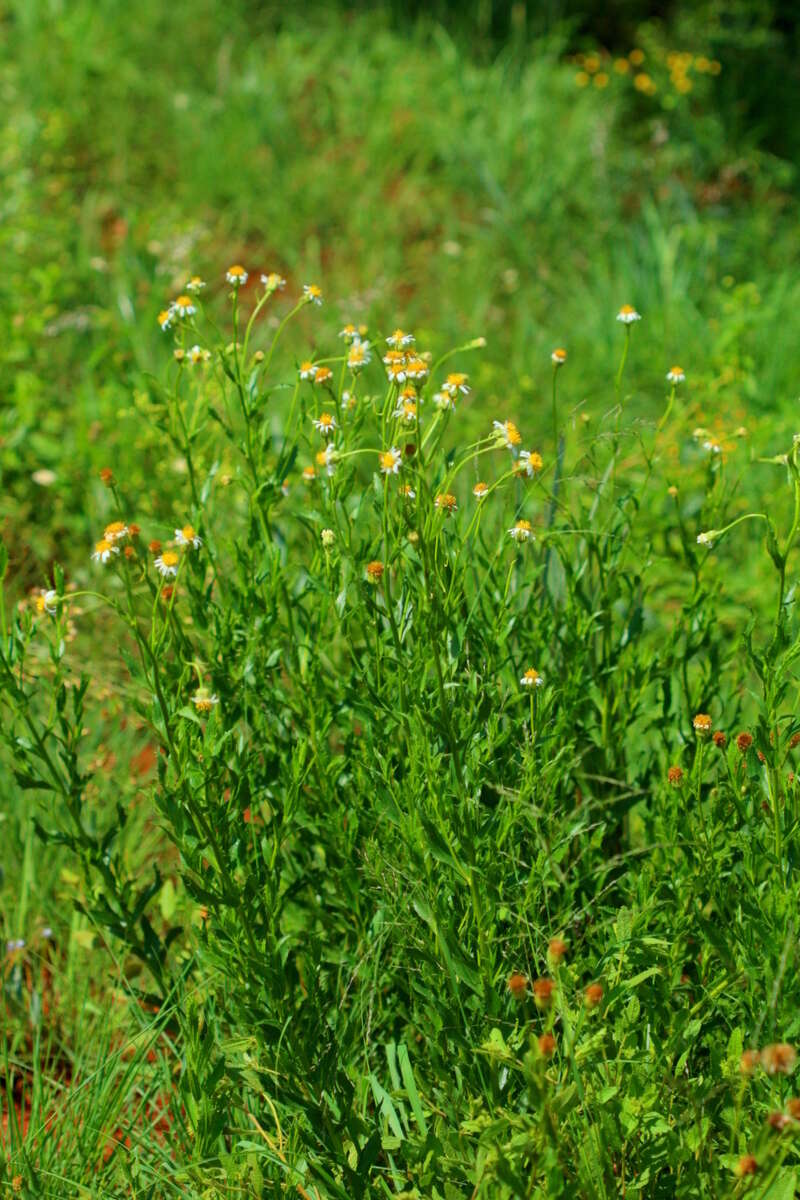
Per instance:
{"type": "Point", "coordinates": [481, 820]}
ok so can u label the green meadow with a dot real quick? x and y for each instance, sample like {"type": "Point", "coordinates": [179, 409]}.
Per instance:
{"type": "Point", "coordinates": [399, 718]}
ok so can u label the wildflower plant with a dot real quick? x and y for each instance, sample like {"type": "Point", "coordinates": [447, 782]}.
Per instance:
{"type": "Point", "coordinates": [403, 839]}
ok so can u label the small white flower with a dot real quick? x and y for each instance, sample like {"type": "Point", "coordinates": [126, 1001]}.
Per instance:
{"type": "Point", "coordinates": [236, 276]}
{"type": "Point", "coordinates": [204, 700]}
{"type": "Point", "coordinates": [360, 355]}
{"type": "Point", "coordinates": [676, 375]}
{"type": "Point", "coordinates": [406, 411]}
{"type": "Point", "coordinates": [628, 314]}
{"type": "Point", "coordinates": [509, 433]}
{"type": "Point", "coordinates": [706, 538]}
{"type": "Point", "coordinates": [531, 678]}
{"type": "Point", "coordinates": [444, 401]}
{"type": "Point", "coordinates": [313, 293]}
{"type": "Point", "coordinates": [196, 354]}
{"type": "Point", "coordinates": [104, 550]}
{"type": "Point", "coordinates": [328, 538]}
{"type": "Point", "coordinates": [183, 307]}
{"type": "Point", "coordinates": [456, 382]}
{"type": "Point", "coordinates": [307, 370]}
{"type": "Point", "coordinates": [407, 492]}
{"type": "Point", "coordinates": [273, 282]}
{"type": "Point", "coordinates": [167, 564]}
{"type": "Point", "coordinates": [522, 531]}
{"type": "Point", "coordinates": [285, 488]}
{"type": "Point", "coordinates": [47, 602]}
{"type": "Point", "coordinates": [400, 338]}
{"type": "Point", "coordinates": [530, 461]}
{"type": "Point", "coordinates": [390, 461]}
{"type": "Point", "coordinates": [195, 285]}
{"type": "Point", "coordinates": [328, 458]}
{"type": "Point", "coordinates": [187, 536]}
{"type": "Point", "coordinates": [712, 447]}
{"type": "Point", "coordinates": [115, 532]}
{"type": "Point", "coordinates": [325, 424]}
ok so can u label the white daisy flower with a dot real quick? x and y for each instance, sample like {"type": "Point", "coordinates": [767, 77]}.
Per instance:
{"type": "Point", "coordinates": [509, 433]}
{"type": "Point", "coordinates": [406, 411]}
{"type": "Point", "coordinates": [530, 461]}
{"type": "Point", "coordinates": [167, 564]}
{"type": "Point", "coordinates": [204, 700]}
{"type": "Point", "coordinates": [325, 424]}
{"type": "Point", "coordinates": [104, 550]}
{"type": "Point", "coordinates": [400, 338]}
{"type": "Point", "coordinates": [183, 306]}
{"type": "Point", "coordinates": [390, 461]}
{"type": "Point", "coordinates": [457, 382]}
{"type": "Point", "coordinates": [522, 531]}
{"type": "Point", "coordinates": [628, 314]}
{"type": "Point", "coordinates": [328, 458]}
{"type": "Point", "coordinates": [359, 356]}
{"type": "Point", "coordinates": [187, 536]}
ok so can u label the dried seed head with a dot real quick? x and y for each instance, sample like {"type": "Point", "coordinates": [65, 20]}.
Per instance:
{"type": "Point", "coordinates": [517, 985]}
{"type": "Point", "coordinates": [547, 1045]}
{"type": "Point", "coordinates": [543, 992]}
{"type": "Point", "coordinates": [779, 1058]}
{"type": "Point", "coordinates": [675, 775]}
{"type": "Point", "coordinates": [744, 741]}
{"type": "Point", "coordinates": [593, 995]}
{"type": "Point", "coordinates": [749, 1061]}
{"type": "Point", "coordinates": [556, 949]}
{"type": "Point", "coordinates": [747, 1165]}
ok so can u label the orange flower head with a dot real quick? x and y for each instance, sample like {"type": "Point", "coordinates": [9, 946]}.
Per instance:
{"type": "Point", "coordinates": [593, 995]}
{"type": "Point", "coordinates": [556, 949]}
{"type": "Point", "coordinates": [547, 1045]}
{"type": "Point", "coordinates": [747, 1165]}
{"type": "Point", "coordinates": [779, 1058]}
{"type": "Point", "coordinates": [749, 1061]}
{"type": "Point", "coordinates": [543, 992]}
{"type": "Point", "coordinates": [517, 985]}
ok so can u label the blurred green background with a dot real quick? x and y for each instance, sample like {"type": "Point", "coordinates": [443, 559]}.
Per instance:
{"type": "Point", "coordinates": [512, 170]}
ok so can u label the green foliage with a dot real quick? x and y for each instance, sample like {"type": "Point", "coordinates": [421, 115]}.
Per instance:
{"type": "Point", "coordinates": [298, 799]}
